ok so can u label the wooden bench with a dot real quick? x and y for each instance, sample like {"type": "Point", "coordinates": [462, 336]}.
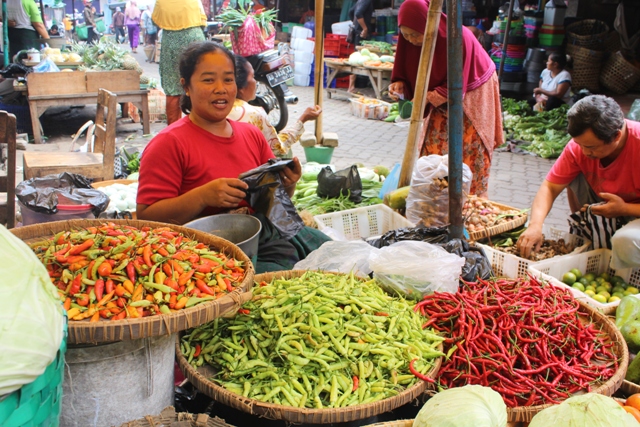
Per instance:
{"type": "Point", "coordinates": [79, 88]}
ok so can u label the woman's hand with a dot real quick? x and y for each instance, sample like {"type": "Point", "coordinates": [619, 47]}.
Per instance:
{"type": "Point", "coordinates": [396, 90]}
{"type": "Point", "coordinates": [537, 91]}
{"type": "Point", "coordinates": [290, 176]}
{"type": "Point", "coordinates": [223, 193]}
{"type": "Point", "coordinates": [311, 113]}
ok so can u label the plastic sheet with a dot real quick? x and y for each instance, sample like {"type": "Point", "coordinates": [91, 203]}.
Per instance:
{"type": "Point", "coordinates": [267, 195]}
{"type": "Point", "coordinates": [346, 181]}
{"type": "Point", "coordinates": [341, 257]}
{"type": "Point", "coordinates": [43, 194]}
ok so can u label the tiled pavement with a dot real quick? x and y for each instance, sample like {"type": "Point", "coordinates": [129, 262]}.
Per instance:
{"type": "Point", "coordinates": [514, 178]}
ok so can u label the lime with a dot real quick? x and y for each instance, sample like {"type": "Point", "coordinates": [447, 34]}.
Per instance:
{"type": "Point", "coordinates": [618, 288]}
{"type": "Point", "coordinates": [618, 294]}
{"type": "Point", "coordinates": [583, 281]}
{"type": "Point", "coordinates": [576, 272]}
{"type": "Point", "coordinates": [600, 298]}
{"type": "Point", "coordinates": [614, 298]}
{"type": "Point", "coordinates": [605, 276]}
{"type": "Point", "coordinates": [590, 288]}
{"type": "Point", "coordinates": [617, 279]}
{"type": "Point", "coordinates": [579, 286]}
{"type": "Point", "coordinates": [607, 285]}
{"type": "Point", "coordinates": [590, 277]}
{"type": "Point", "coordinates": [600, 279]}
{"type": "Point", "coordinates": [605, 294]}
{"type": "Point", "coordinates": [569, 278]}
{"type": "Point", "coordinates": [631, 290]}
{"type": "Point", "coordinates": [594, 283]}
{"type": "Point", "coordinates": [589, 292]}
{"type": "Point", "coordinates": [601, 288]}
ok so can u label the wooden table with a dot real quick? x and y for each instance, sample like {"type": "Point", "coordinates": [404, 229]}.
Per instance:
{"type": "Point", "coordinates": [376, 76]}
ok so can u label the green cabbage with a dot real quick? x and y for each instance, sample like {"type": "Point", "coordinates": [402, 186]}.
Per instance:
{"type": "Point", "coordinates": [586, 410]}
{"type": "Point", "coordinates": [31, 315]}
{"type": "Point", "coordinates": [468, 406]}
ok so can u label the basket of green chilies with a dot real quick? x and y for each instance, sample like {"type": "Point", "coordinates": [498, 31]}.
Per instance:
{"type": "Point", "coordinates": [314, 348]}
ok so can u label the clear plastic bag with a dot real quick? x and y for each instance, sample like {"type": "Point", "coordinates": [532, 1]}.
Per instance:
{"type": "Point", "coordinates": [46, 66]}
{"type": "Point", "coordinates": [415, 269]}
{"type": "Point", "coordinates": [341, 257]}
{"type": "Point", "coordinates": [428, 199]}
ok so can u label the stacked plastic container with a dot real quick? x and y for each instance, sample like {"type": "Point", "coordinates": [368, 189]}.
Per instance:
{"type": "Point", "coordinates": [302, 55]}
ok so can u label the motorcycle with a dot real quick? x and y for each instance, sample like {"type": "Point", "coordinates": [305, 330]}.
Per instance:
{"type": "Point", "coordinates": [271, 71]}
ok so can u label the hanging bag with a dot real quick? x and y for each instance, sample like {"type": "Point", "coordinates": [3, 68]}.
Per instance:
{"type": "Point", "coordinates": [249, 39]}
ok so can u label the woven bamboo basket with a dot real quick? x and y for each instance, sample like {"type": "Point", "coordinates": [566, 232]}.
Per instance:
{"type": "Point", "coordinates": [200, 379]}
{"type": "Point", "coordinates": [85, 332]}
{"type": "Point", "coordinates": [169, 417]}
{"type": "Point", "coordinates": [619, 75]}
{"type": "Point", "coordinates": [629, 388]}
{"type": "Point", "coordinates": [586, 68]}
{"type": "Point", "coordinates": [612, 42]}
{"type": "Point", "coordinates": [588, 33]}
{"type": "Point", "coordinates": [501, 228]}
{"type": "Point", "coordinates": [525, 414]}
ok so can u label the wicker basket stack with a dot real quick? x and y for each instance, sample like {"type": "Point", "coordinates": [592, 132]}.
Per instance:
{"type": "Point", "coordinates": [619, 75]}
{"type": "Point", "coordinates": [586, 44]}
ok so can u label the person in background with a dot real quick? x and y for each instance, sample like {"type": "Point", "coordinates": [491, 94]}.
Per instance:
{"type": "Point", "coordinates": [150, 29]}
{"type": "Point", "coordinates": [203, 154]}
{"type": "Point", "coordinates": [360, 14]}
{"type": "Point", "coordinates": [600, 168]}
{"type": "Point", "coordinates": [482, 120]}
{"type": "Point", "coordinates": [242, 111]}
{"type": "Point", "coordinates": [181, 22]}
{"type": "Point", "coordinates": [24, 25]}
{"type": "Point", "coordinates": [89, 19]}
{"type": "Point", "coordinates": [555, 82]}
{"type": "Point", "coordinates": [53, 31]}
{"type": "Point", "coordinates": [132, 21]}
{"type": "Point", "coordinates": [118, 25]}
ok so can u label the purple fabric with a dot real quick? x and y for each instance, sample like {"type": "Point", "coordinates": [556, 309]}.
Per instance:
{"type": "Point", "coordinates": [134, 35]}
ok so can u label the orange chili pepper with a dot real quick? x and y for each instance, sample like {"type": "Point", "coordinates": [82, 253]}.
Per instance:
{"type": "Point", "coordinates": [162, 251]}
{"type": "Point", "coordinates": [120, 290]}
{"type": "Point", "coordinates": [82, 300]}
{"type": "Point", "coordinates": [176, 266]}
{"type": "Point", "coordinates": [119, 316]}
{"type": "Point", "coordinates": [166, 268]}
{"type": "Point", "coordinates": [128, 286]}
{"type": "Point", "coordinates": [137, 293]}
{"type": "Point", "coordinates": [182, 302]}
{"type": "Point", "coordinates": [104, 269]}
{"type": "Point", "coordinates": [173, 299]}
{"type": "Point", "coordinates": [106, 298]}
{"type": "Point", "coordinates": [185, 277]}
{"type": "Point", "coordinates": [146, 256]}
{"type": "Point", "coordinates": [67, 304]}
{"type": "Point", "coordinates": [132, 312]}
{"type": "Point", "coordinates": [172, 284]}
{"type": "Point", "coordinates": [95, 317]}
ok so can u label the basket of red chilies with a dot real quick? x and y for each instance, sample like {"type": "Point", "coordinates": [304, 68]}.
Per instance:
{"type": "Point", "coordinates": [530, 341]}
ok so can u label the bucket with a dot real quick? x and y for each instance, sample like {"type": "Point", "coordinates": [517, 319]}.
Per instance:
{"type": "Point", "coordinates": [243, 230]}
{"type": "Point", "coordinates": [65, 212]}
{"type": "Point", "coordinates": [319, 154]}
{"type": "Point", "coordinates": [110, 384]}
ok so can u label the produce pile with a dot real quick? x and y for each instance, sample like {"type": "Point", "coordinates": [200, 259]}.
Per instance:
{"type": "Point", "coordinates": [546, 131]}
{"type": "Point", "coordinates": [317, 341]}
{"type": "Point", "coordinates": [114, 272]}
{"type": "Point", "coordinates": [506, 242]}
{"type": "Point", "coordinates": [602, 288]}
{"type": "Point", "coordinates": [628, 321]}
{"type": "Point", "coordinates": [480, 214]}
{"type": "Point", "coordinates": [57, 56]}
{"type": "Point", "coordinates": [367, 58]}
{"type": "Point", "coordinates": [305, 197]}
{"type": "Point", "coordinates": [524, 339]}
{"type": "Point", "coordinates": [122, 198]}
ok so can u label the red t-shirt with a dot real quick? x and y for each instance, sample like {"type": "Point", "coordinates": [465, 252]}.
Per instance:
{"type": "Point", "coordinates": [622, 177]}
{"type": "Point", "coordinates": [184, 156]}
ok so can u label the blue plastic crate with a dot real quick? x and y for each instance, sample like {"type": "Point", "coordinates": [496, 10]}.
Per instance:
{"type": "Point", "coordinates": [312, 77]}
{"type": "Point", "coordinates": [23, 116]}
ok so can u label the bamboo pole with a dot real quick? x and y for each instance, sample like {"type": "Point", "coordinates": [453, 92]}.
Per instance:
{"type": "Point", "coordinates": [319, 66]}
{"type": "Point", "coordinates": [420, 92]}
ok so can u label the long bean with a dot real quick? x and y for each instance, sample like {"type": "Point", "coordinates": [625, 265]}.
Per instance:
{"type": "Point", "coordinates": [340, 339]}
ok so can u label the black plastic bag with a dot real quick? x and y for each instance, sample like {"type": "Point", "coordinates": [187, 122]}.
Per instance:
{"type": "Point", "coordinates": [267, 195]}
{"type": "Point", "coordinates": [43, 194]}
{"type": "Point", "coordinates": [422, 234]}
{"type": "Point", "coordinates": [334, 184]}
{"type": "Point", "coordinates": [476, 264]}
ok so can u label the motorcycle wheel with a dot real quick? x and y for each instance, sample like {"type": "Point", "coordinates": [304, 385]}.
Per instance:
{"type": "Point", "coordinates": [271, 99]}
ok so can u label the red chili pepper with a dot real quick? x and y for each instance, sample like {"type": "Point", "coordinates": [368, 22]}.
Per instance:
{"type": "Point", "coordinates": [104, 269]}
{"type": "Point", "coordinates": [98, 289]}
{"type": "Point", "coordinates": [244, 311]}
{"type": "Point", "coordinates": [228, 283]}
{"type": "Point", "coordinates": [131, 272]}
{"type": "Point", "coordinates": [75, 250]}
{"type": "Point", "coordinates": [185, 277]}
{"type": "Point", "coordinates": [418, 374]}
{"type": "Point", "coordinates": [356, 382]}
{"type": "Point", "coordinates": [76, 284]}
{"type": "Point", "coordinates": [204, 288]}
{"type": "Point", "coordinates": [109, 286]}
{"type": "Point", "coordinates": [196, 353]}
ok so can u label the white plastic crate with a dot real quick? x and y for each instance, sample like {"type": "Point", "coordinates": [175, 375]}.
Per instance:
{"type": "Point", "coordinates": [512, 266]}
{"type": "Point", "coordinates": [596, 262]}
{"type": "Point", "coordinates": [341, 28]}
{"type": "Point", "coordinates": [363, 223]}
{"type": "Point", "coordinates": [370, 109]}
{"type": "Point", "coordinates": [301, 33]}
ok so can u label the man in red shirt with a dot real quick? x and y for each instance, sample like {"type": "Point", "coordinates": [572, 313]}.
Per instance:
{"type": "Point", "coordinates": [600, 164]}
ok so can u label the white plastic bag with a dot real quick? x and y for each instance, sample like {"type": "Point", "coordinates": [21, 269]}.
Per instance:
{"type": "Point", "coordinates": [415, 269]}
{"type": "Point", "coordinates": [428, 199]}
{"type": "Point", "coordinates": [46, 66]}
{"type": "Point", "coordinates": [341, 257]}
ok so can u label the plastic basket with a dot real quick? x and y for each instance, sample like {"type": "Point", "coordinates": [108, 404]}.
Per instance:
{"type": "Point", "coordinates": [618, 74]}
{"type": "Point", "coordinates": [363, 223]}
{"type": "Point", "coordinates": [596, 262]}
{"type": "Point", "coordinates": [512, 267]}
{"type": "Point", "coordinates": [37, 404]}
{"type": "Point", "coordinates": [371, 109]}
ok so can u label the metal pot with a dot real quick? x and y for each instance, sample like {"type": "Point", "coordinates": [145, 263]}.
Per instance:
{"type": "Point", "coordinates": [243, 230]}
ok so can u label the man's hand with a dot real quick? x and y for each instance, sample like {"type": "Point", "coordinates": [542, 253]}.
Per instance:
{"type": "Point", "coordinates": [224, 193]}
{"type": "Point", "coordinates": [530, 240]}
{"type": "Point", "coordinates": [11, 23]}
{"type": "Point", "coordinates": [365, 33]}
{"type": "Point", "coordinates": [311, 113]}
{"type": "Point", "coordinates": [613, 207]}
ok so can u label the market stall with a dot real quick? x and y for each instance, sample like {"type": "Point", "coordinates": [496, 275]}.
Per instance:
{"type": "Point", "coordinates": [378, 76]}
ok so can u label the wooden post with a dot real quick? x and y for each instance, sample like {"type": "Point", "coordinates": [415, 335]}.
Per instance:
{"type": "Point", "coordinates": [318, 73]}
{"type": "Point", "coordinates": [420, 92]}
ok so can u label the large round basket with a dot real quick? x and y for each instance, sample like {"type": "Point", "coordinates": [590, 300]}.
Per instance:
{"type": "Point", "coordinates": [169, 417]}
{"type": "Point", "coordinates": [588, 33]}
{"type": "Point", "coordinates": [586, 68]}
{"type": "Point", "coordinates": [587, 313]}
{"type": "Point", "coordinates": [200, 379]}
{"type": "Point", "coordinates": [85, 332]}
{"type": "Point", "coordinates": [618, 74]}
{"type": "Point", "coordinates": [629, 388]}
